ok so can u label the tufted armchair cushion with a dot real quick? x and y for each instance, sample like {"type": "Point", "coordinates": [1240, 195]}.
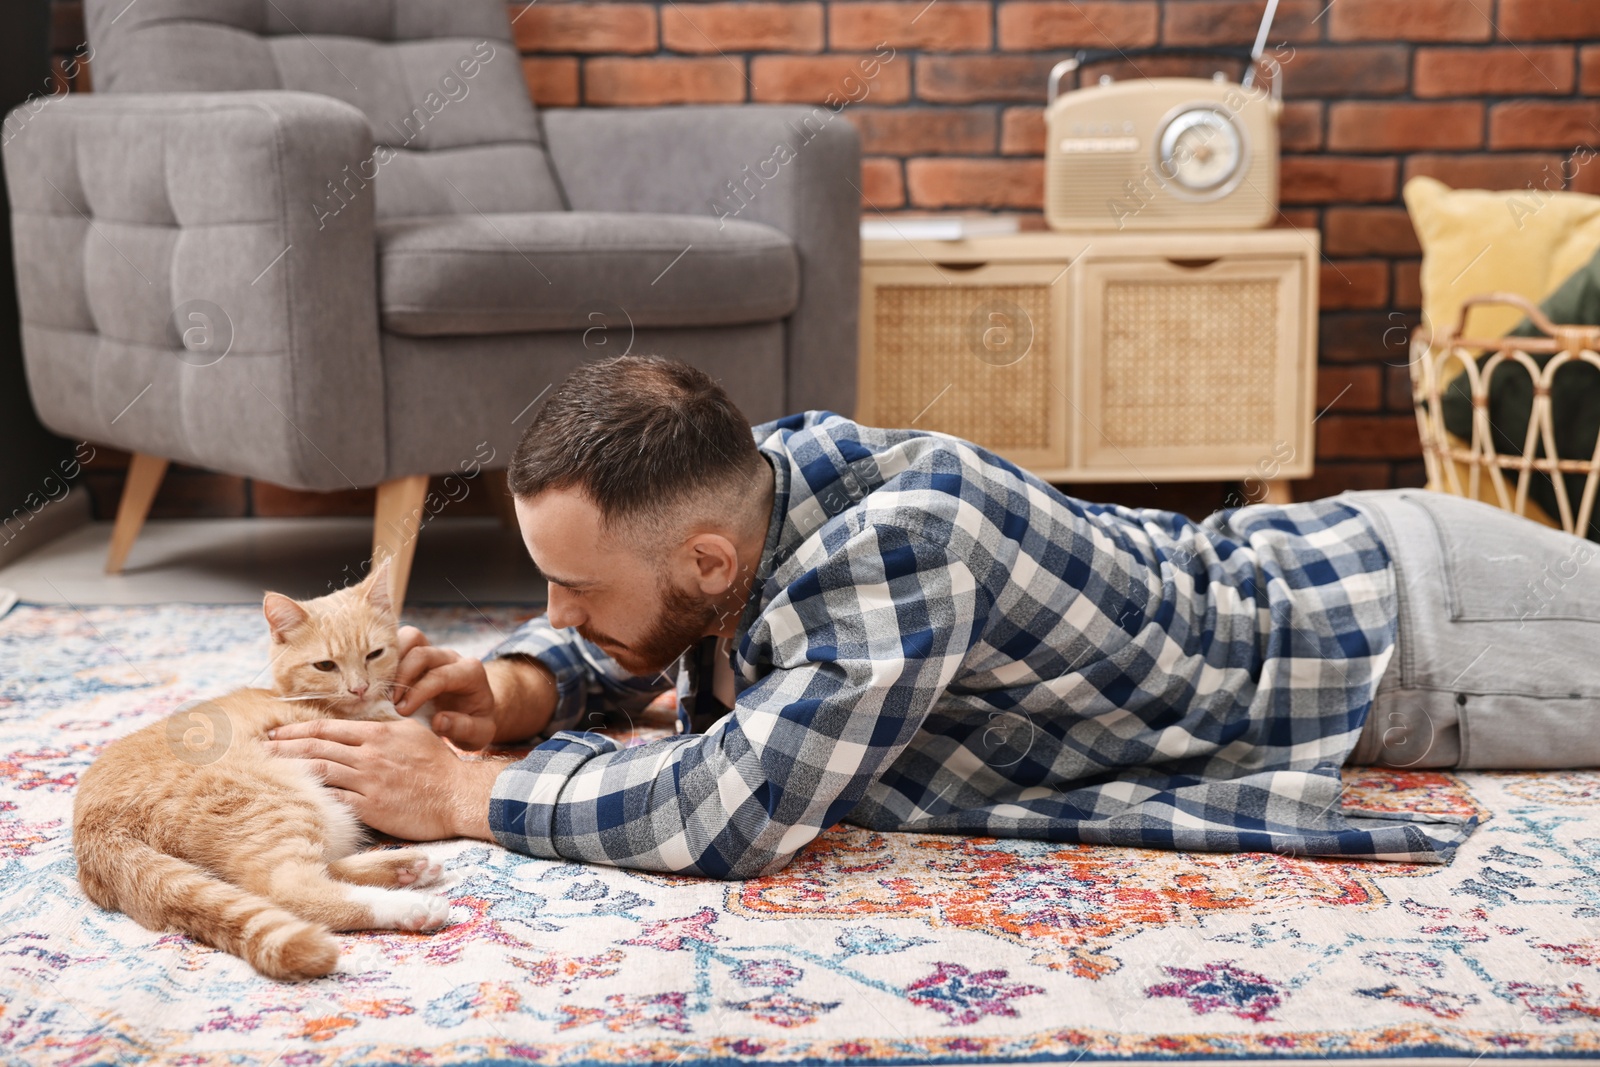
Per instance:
{"type": "Point", "coordinates": [479, 274]}
{"type": "Point", "coordinates": [441, 87]}
{"type": "Point", "coordinates": [146, 216]}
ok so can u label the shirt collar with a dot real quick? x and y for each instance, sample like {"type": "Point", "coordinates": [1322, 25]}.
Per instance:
{"type": "Point", "coordinates": [776, 523]}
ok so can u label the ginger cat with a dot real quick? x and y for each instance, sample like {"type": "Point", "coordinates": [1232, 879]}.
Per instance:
{"type": "Point", "coordinates": [189, 824]}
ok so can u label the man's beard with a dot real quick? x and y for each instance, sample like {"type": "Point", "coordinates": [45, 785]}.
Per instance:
{"type": "Point", "coordinates": [683, 621]}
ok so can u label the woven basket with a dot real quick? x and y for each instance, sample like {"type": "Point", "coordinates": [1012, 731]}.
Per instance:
{"type": "Point", "coordinates": [1446, 455]}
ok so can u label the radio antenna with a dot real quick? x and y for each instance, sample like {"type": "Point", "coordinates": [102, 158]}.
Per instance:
{"type": "Point", "coordinates": [1261, 41]}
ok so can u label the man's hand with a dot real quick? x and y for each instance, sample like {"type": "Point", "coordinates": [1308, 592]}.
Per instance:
{"type": "Point", "coordinates": [457, 685]}
{"type": "Point", "coordinates": [506, 700]}
{"type": "Point", "coordinates": [397, 777]}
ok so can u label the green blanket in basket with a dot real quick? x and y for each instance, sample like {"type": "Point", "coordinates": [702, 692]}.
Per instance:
{"type": "Point", "coordinates": [1574, 396]}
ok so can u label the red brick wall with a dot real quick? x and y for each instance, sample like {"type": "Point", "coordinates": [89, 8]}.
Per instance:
{"type": "Point", "coordinates": [1485, 93]}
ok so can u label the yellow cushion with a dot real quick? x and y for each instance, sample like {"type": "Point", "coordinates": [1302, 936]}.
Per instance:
{"type": "Point", "coordinates": [1476, 241]}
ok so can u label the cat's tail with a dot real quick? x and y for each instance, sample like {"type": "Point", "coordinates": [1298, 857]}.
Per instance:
{"type": "Point", "coordinates": [163, 892]}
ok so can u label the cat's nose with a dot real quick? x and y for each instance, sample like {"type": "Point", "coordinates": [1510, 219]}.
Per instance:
{"type": "Point", "coordinates": [359, 690]}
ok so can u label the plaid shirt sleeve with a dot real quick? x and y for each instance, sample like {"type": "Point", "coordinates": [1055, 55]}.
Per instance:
{"type": "Point", "coordinates": [860, 646]}
{"type": "Point", "coordinates": [589, 684]}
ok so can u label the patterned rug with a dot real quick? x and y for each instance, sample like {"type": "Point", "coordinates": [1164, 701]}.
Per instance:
{"type": "Point", "coordinates": [870, 948]}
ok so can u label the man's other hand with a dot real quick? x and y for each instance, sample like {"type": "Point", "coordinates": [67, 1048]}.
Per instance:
{"type": "Point", "coordinates": [397, 777]}
{"type": "Point", "coordinates": [457, 685]}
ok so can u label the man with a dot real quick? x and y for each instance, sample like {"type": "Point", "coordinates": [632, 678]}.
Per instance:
{"type": "Point", "coordinates": [901, 630]}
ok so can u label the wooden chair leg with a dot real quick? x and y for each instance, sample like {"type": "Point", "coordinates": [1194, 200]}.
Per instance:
{"type": "Point", "coordinates": [138, 491]}
{"type": "Point", "coordinates": [1279, 491]}
{"type": "Point", "coordinates": [394, 531]}
{"type": "Point", "coordinates": [494, 483]}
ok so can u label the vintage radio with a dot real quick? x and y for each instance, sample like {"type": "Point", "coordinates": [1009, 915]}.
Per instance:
{"type": "Point", "coordinates": [1164, 153]}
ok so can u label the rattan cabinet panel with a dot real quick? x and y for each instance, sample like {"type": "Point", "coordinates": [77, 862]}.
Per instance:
{"type": "Point", "coordinates": [978, 352]}
{"type": "Point", "coordinates": [1184, 363]}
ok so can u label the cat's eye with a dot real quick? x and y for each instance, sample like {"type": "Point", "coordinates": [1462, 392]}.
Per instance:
{"type": "Point", "coordinates": [375, 653]}
{"type": "Point", "coordinates": [325, 665]}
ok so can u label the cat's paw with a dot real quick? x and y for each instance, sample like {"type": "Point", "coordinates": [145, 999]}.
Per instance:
{"type": "Point", "coordinates": [420, 872]}
{"type": "Point", "coordinates": [425, 912]}
{"type": "Point", "coordinates": [390, 868]}
{"type": "Point", "coordinates": [403, 909]}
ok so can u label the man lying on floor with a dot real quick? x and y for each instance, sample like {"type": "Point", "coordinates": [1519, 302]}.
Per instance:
{"type": "Point", "coordinates": [901, 630]}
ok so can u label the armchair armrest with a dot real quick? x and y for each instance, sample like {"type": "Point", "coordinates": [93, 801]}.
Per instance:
{"type": "Point", "coordinates": [197, 279]}
{"type": "Point", "coordinates": [797, 169]}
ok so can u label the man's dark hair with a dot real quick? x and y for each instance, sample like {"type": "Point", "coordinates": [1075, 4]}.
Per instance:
{"type": "Point", "coordinates": [641, 436]}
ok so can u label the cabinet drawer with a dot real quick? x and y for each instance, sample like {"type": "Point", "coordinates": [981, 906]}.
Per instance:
{"type": "Point", "coordinates": [1192, 365]}
{"type": "Point", "coordinates": [977, 350]}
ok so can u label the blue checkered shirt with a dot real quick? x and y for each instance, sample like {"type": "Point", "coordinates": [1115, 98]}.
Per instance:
{"type": "Point", "coordinates": [938, 641]}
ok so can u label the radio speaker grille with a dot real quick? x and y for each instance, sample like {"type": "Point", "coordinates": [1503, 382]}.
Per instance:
{"type": "Point", "coordinates": [1189, 362]}
{"type": "Point", "coordinates": [1122, 193]}
{"type": "Point", "coordinates": [928, 374]}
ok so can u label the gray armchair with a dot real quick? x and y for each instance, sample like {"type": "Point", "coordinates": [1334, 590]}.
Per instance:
{"type": "Point", "coordinates": [332, 244]}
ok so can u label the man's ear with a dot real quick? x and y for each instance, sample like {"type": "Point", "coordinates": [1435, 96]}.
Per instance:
{"type": "Point", "coordinates": [375, 587]}
{"type": "Point", "coordinates": [715, 562]}
{"type": "Point", "coordinates": [283, 615]}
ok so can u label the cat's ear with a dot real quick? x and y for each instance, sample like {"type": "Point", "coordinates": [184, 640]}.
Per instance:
{"type": "Point", "coordinates": [282, 615]}
{"type": "Point", "coordinates": [376, 586]}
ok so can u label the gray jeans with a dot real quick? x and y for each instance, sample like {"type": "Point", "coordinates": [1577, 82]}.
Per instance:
{"type": "Point", "coordinates": [1498, 659]}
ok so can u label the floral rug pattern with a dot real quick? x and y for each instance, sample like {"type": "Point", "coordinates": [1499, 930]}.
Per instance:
{"type": "Point", "coordinates": [869, 948]}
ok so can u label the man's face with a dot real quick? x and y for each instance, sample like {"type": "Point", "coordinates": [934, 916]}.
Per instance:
{"type": "Point", "coordinates": [615, 597]}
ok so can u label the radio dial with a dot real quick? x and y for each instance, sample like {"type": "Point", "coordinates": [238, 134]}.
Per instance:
{"type": "Point", "coordinates": [1202, 151]}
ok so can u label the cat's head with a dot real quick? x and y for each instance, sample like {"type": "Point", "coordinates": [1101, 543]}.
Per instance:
{"type": "Point", "coordinates": [342, 648]}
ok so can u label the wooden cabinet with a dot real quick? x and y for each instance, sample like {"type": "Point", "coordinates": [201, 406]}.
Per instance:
{"type": "Point", "coordinates": [1100, 357]}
